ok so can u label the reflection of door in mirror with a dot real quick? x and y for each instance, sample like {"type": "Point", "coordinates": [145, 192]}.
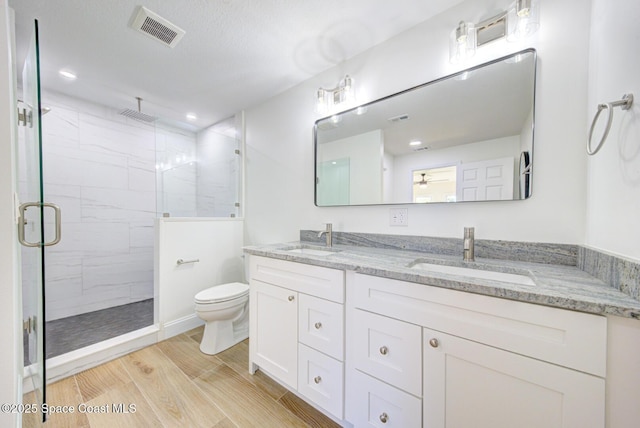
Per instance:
{"type": "Point", "coordinates": [434, 184]}
{"type": "Point", "coordinates": [489, 180]}
{"type": "Point", "coordinates": [333, 182]}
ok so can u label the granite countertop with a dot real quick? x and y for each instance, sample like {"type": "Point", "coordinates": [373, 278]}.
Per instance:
{"type": "Point", "coordinates": [559, 286]}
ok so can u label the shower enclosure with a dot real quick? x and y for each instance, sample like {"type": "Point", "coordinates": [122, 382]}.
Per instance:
{"type": "Point", "coordinates": [112, 176]}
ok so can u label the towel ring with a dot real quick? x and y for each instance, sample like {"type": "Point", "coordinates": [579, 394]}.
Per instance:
{"type": "Point", "coordinates": [626, 102]}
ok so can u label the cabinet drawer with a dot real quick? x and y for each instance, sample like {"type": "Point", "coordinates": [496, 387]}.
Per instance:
{"type": "Point", "coordinates": [321, 325]}
{"type": "Point", "coordinates": [389, 350]}
{"type": "Point", "coordinates": [320, 379]}
{"type": "Point", "coordinates": [567, 338]}
{"type": "Point", "coordinates": [373, 403]}
{"type": "Point", "coordinates": [314, 280]}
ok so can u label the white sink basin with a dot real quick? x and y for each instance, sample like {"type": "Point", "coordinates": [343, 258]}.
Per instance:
{"type": "Point", "coordinates": [475, 273]}
{"type": "Point", "coordinates": [310, 251]}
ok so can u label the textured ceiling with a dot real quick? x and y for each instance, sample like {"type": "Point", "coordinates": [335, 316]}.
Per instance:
{"type": "Point", "coordinates": [235, 54]}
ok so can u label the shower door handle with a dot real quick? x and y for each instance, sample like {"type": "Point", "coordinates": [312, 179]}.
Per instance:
{"type": "Point", "coordinates": [22, 222]}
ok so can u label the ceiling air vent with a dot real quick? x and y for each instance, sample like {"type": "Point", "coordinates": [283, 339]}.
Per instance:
{"type": "Point", "coordinates": [154, 26]}
{"type": "Point", "coordinates": [399, 118]}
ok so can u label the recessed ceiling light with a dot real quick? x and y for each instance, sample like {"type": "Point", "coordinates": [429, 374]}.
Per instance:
{"type": "Point", "coordinates": [68, 74]}
{"type": "Point", "coordinates": [191, 116]}
{"type": "Point", "coordinates": [415, 143]}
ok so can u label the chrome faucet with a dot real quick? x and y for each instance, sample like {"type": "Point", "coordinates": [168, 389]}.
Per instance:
{"type": "Point", "coordinates": [467, 245]}
{"type": "Point", "coordinates": [329, 234]}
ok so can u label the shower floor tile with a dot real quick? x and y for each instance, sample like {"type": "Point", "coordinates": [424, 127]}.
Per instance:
{"type": "Point", "coordinates": [68, 334]}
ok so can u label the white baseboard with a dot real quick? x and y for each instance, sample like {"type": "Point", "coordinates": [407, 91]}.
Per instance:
{"type": "Point", "coordinates": [179, 326]}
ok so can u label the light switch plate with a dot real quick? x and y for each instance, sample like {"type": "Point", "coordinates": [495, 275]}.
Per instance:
{"type": "Point", "coordinates": [398, 217]}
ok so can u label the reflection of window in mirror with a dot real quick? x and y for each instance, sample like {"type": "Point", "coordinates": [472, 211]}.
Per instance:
{"type": "Point", "coordinates": [434, 184]}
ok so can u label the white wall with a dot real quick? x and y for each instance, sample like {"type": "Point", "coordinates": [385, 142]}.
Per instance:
{"type": "Point", "coordinates": [10, 334]}
{"type": "Point", "coordinates": [217, 243]}
{"type": "Point", "coordinates": [280, 145]}
{"type": "Point", "coordinates": [613, 180]}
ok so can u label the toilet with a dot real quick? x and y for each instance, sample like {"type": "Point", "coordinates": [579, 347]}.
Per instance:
{"type": "Point", "coordinates": [225, 311]}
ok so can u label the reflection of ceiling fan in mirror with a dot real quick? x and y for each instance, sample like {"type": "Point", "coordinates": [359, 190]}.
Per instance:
{"type": "Point", "coordinates": [424, 181]}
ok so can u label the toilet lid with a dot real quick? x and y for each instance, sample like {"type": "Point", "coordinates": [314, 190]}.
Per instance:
{"type": "Point", "coordinates": [222, 293]}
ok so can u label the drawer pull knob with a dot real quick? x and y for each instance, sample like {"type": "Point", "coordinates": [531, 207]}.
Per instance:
{"type": "Point", "coordinates": [384, 351]}
{"type": "Point", "coordinates": [318, 325]}
{"type": "Point", "coordinates": [384, 418]}
{"type": "Point", "coordinates": [291, 298]}
{"type": "Point", "coordinates": [434, 343]}
{"type": "Point", "coordinates": [317, 379]}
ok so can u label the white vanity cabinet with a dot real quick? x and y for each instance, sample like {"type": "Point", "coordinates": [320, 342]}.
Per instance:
{"type": "Point", "coordinates": [486, 362]}
{"type": "Point", "coordinates": [297, 328]}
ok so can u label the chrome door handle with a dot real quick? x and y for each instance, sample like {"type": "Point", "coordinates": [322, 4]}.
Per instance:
{"type": "Point", "coordinates": [22, 223]}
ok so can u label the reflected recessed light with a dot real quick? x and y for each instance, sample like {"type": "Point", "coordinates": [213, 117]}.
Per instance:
{"type": "Point", "coordinates": [361, 110]}
{"type": "Point", "coordinates": [191, 116]}
{"type": "Point", "coordinates": [68, 74]}
{"type": "Point", "coordinates": [415, 143]}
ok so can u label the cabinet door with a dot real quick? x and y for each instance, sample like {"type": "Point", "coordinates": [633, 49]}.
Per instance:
{"type": "Point", "coordinates": [275, 331]}
{"type": "Point", "coordinates": [468, 384]}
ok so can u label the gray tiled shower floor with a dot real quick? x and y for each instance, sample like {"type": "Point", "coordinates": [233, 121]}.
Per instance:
{"type": "Point", "coordinates": [68, 334]}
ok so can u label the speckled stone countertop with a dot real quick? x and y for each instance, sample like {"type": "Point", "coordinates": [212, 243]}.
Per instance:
{"type": "Point", "coordinates": [556, 285]}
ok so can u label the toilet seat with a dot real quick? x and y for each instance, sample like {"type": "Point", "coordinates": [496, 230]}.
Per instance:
{"type": "Point", "coordinates": [222, 293]}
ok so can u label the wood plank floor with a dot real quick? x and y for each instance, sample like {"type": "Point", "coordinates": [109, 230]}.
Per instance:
{"type": "Point", "coordinates": [173, 384]}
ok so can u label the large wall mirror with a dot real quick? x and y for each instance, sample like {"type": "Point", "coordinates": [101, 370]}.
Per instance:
{"type": "Point", "coordinates": [464, 137]}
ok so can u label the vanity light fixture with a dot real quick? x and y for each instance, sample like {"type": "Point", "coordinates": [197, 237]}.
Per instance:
{"type": "Point", "coordinates": [522, 19]}
{"type": "Point", "coordinates": [462, 42]}
{"type": "Point", "coordinates": [415, 143]}
{"type": "Point", "coordinates": [328, 100]}
{"type": "Point", "coordinates": [519, 21]}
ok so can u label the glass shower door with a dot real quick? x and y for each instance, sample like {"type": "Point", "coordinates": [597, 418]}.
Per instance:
{"type": "Point", "coordinates": [32, 222]}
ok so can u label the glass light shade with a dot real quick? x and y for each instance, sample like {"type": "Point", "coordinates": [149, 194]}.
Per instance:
{"type": "Point", "coordinates": [462, 42]}
{"type": "Point", "coordinates": [522, 19]}
{"type": "Point", "coordinates": [321, 101]}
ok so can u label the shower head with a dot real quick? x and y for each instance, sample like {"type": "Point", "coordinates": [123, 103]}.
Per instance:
{"type": "Point", "coordinates": [138, 115]}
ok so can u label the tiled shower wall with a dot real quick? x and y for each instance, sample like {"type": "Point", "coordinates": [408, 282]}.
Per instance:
{"type": "Point", "coordinates": [100, 167]}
